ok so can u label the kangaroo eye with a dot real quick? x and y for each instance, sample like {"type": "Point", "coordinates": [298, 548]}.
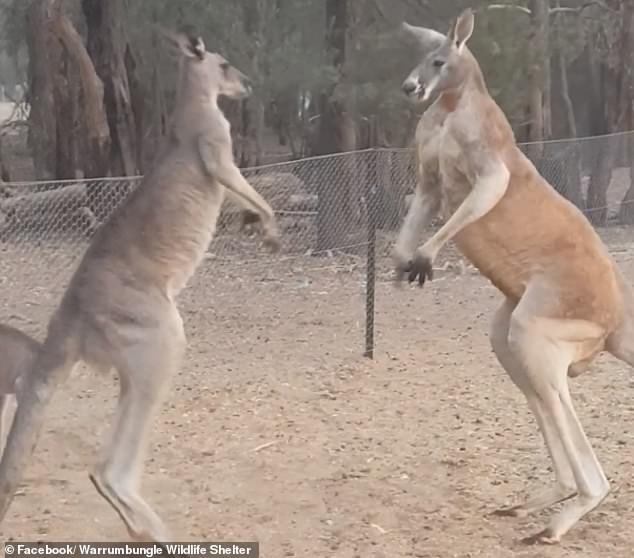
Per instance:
{"type": "Point", "coordinates": [439, 63]}
{"type": "Point", "coordinates": [225, 66]}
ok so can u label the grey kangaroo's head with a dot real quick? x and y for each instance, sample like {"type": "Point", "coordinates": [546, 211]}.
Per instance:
{"type": "Point", "coordinates": [446, 63]}
{"type": "Point", "coordinates": [208, 72]}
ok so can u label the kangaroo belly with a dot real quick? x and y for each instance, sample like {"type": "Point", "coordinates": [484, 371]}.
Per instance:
{"type": "Point", "coordinates": [165, 232]}
{"type": "Point", "coordinates": [533, 231]}
{"type": "Point", "coordinates": [185, 248]}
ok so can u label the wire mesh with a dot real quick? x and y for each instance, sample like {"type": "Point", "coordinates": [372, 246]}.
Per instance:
{"type": "Point", "coordinates": [241, 296]}
{"type": "Point", "coordinates": [596, 174]}
{"type": "Point", "coordinates": [338, 216]}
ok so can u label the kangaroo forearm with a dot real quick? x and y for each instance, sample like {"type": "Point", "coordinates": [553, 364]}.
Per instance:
{"type": "Point", "coordinates": [422, 210]}
{"type": "Point", "coordinates": [242, 192]}
{"type": "Point", "coordinates": [486, 193]}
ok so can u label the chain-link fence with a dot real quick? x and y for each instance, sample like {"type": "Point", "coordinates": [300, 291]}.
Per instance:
{"type": "Point", "coordinates": [338, 214]}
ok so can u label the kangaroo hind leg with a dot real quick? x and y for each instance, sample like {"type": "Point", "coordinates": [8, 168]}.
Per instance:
{"type": "Point", "coordinates": [144, 369]}
{"type": "Point", "coordinates": [546, 347]}
{"type": "Point", "coordinates": [564, 486]}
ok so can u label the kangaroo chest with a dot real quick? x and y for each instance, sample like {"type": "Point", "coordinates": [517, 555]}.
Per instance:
{"type": "Point", "coordinates": [441, 158]}
{"type": "Point", "coordinates": [455, 175]}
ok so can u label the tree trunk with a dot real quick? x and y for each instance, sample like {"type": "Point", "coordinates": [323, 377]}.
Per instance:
{"type": "Point", "coordinates": [253, 115]}
{"type": "Point", "coordinates": [106, 46]}
{"type": "Point", "coordinates": [83, 126]}
{"type": "Point", "coordinates": [137, 94]}
{"type": "Point", "coordinates": [563, 74]}
{"type": "Point", "coordinates": [626, 102]}
{"type": "Point", "coordinates": [335, 133]}
{"type": "Point", "coordinates": [43, 60]}
{"type": "Point", "coordinates": [539, 113]}
{"type": "Point", "coordinates": [596, 90]}
{"type": "Point", "coordinates": [547, 86]}
{"type": "Point", "coordinates": [600, 177]}
{"type": "Point", "coordinates": [626, 209]}
{"type": "Point", "coordinates": [574, 193]}
{"type": "Point", "coordinates": [68, 130]}
{"type": "Point", "coordinates": [565, 94]}
{"type": "Point", "coordinates": [159, 113]}
{"type": "Point", "coordinates": [66, 95]}
{"type": "Point", "coordinates": [573, 168]}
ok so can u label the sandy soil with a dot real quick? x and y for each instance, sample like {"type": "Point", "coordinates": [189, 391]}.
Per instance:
{"type": "Point", "coordinates": [278, 430]}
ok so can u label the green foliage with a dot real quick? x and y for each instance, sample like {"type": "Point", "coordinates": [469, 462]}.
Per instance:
{"type": "Point", "coordinates": [13, 57]}
{"type": "Point", "coordinates": [12, 25]}
{"type": "Point", "coordinates": [500, 43]}
{"type": "Point", "coordinates": [282, 46]}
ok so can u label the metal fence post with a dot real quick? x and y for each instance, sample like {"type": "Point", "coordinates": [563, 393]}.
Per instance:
{"type": "Point", "coordinates": [370, 277]}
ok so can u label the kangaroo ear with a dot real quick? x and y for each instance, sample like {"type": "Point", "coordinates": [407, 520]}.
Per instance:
{"type": "Point", "coordinates": [197, 47]}
{"type": "Point", "coordinates": [188, 44]}
{"type": "Point", "coordinates": [462, 28]}
{"type": "Point", "coordinates": [428, 39]}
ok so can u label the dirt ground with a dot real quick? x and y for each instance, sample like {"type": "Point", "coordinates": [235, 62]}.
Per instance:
{"type": "Point", "coordinates": [278, 430]}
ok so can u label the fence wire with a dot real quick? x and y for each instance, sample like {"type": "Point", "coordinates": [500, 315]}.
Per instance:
{"type": "Point", "coordinates": [338, 215]}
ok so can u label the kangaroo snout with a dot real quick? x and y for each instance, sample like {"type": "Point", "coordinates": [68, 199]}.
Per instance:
{"type": "Point", "coordinates": [412, 87]}
{"type": "Point", "coordinates": [246, 85]}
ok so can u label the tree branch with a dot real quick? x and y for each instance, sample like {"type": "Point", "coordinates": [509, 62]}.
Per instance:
{"type": "Point", "coordinates": [579, 9]}
{"type": "Point", "coordinates": [552, 11]}
{"type": "Point", "coordinates": [513, 7]}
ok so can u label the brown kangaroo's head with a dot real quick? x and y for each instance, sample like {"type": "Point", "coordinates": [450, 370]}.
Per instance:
{"type": "Point", "coordinates": [446, 62]}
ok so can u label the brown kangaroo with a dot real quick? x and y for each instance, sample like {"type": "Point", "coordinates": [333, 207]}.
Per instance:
{"type": "Point", "coordinates": [565, 300]}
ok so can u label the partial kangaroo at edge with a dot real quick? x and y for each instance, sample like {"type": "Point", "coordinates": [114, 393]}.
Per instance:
{"type": "Point", "coordinates": [17, 354]}
{"type": "Point", "coordinates": [119, 309]}
{"type": "Point", "coordinates": [565, 299]}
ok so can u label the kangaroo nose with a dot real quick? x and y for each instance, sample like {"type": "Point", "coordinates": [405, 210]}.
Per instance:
{"type": "Point", "coordinates": [409, 87]}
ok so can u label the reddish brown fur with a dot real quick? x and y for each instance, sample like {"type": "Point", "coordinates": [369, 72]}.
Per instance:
{"type": "Point", "coordinates": [512, 242]}
{"type": "Point", "coordinates": [533, 228]}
